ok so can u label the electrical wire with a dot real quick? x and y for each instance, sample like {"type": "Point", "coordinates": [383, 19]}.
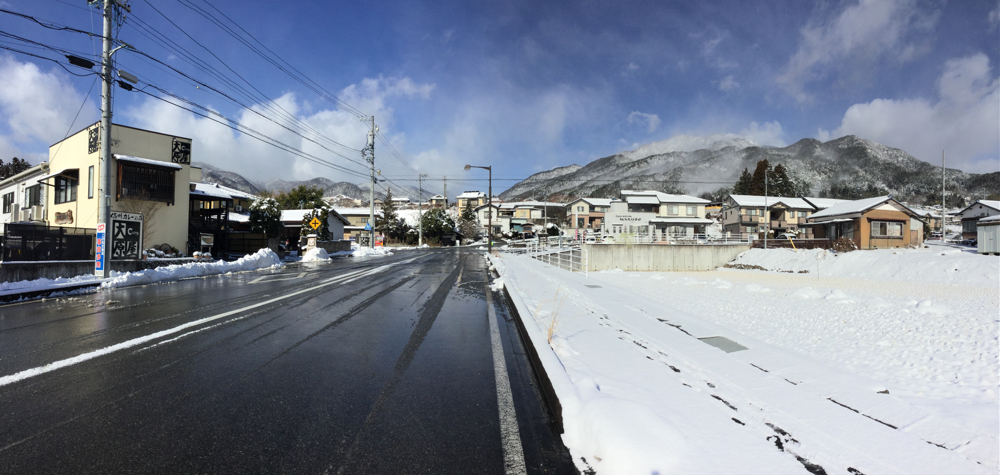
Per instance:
{"type": "Point", "coordinates": [48, 59]}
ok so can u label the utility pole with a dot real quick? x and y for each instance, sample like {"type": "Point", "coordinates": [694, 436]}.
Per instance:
{"type": "Point", "coordinates": [767, 216]}
{"type": "Point", "coordinates": [102, 267]}
{"type": "Point", "coordinates": [369, 154]}
{"type": "Point", "coordinates": [420, 213]}
{"type": "Point", "coordinates": [445, 192]}
{"type": "Point", "coordinates": [942, 197]}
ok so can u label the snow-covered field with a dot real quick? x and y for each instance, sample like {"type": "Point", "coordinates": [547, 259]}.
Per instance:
{"type": "Point", "coordinates": [640, 395]}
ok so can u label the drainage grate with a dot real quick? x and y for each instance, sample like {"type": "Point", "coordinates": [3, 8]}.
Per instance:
{"type": "Point", "coordinates": [592, 286]}
{"type": "Point", "coordinates": [723, 343]}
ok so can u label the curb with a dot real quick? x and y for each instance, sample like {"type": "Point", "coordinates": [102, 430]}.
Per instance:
{"type": "Point", "coordinates": [548, 392]}
{"type": "Point", "coordinates": [12, 297]}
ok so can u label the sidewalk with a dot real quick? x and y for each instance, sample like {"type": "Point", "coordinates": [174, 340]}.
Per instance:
{"type": "Point", "coordinates": [645, 387]}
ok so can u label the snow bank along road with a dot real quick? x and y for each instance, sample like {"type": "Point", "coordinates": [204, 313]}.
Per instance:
{"type": "Point", "coordinates": [835, 375]}
{"type": "Point", "coordinates": [388, 365]}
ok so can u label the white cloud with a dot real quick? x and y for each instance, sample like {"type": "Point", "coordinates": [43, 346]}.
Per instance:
{"type": "Point", "coordinates": [728, 84]}
{"type": "Point", "coordinates": [768, 133]}
{"type": "Point", "coordinates": [860, 34]}
{"type": "Point", "coordinates": [222, 147]}
{"type": "Point", "coordinates": [37, 107]}
{"type": "Point", "coordinates": [652, 121]}
{"type": "Point", "coordinates": [995, 17]}
{"type": "Point", "coordinates": [965, 120]}
{"type": "Point", "coordinates": [630, 69]}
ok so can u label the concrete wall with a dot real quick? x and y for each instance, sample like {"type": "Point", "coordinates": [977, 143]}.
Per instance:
{"type": "Point", "coordinates": [18, 271]}
{"type": "Point", "coordinates": [660, 257]}
{"type": "Point", "coordinates": [334, 246]}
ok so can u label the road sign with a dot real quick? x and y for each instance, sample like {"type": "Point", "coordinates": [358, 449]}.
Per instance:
{"type": "Point", "coordinates": [368, 226]}
{"type": "Point", "coordinates": [315, 223]}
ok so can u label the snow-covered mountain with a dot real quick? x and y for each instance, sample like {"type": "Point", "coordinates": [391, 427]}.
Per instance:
{"type": "Point", "coordinates": [847, 167]}
{"type": "Point", "coordinates": [210, 174]}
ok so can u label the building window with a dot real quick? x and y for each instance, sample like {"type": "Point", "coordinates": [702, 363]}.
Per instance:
{"type": "Point", "coordinates": [969, 226]}
{"type": "Point", "coordinates": [751, 229]}
{"type": "Point", "coordinates": [145, 183]}
{"type": "Point", "coordinates": [8, 202]}
{"type": "Point", "coordinates": [66, 186]}
{"type": "Point", "coordinates": [753, 212]}
{"type": "Point", "coordinates": [672, 209]}
{"type": "Point", "coordinates": [887, 229]}
{"type": "Point", "coordinates": [692, 210]}
{"type": "Point", "coordinates": [579, 209]}
{"type": "Point", "coordinates": [33, 196]}
{"type": "Point", "coordinates": [90, 182]}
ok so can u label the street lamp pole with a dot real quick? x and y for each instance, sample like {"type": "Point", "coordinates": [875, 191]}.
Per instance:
{"type": "Point", "coordinates": [489, 215]}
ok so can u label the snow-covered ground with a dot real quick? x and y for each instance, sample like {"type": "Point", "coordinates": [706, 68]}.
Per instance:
{"type": "Point", "coordinates": [640, 393]}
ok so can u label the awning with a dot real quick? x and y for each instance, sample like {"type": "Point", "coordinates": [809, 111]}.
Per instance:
{"type": "Point", "coordinates": [60, 172]}
{"type": "Point", "coordinates": [146, 161]}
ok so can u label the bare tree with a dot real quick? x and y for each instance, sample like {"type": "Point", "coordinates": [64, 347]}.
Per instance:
{"type": "Point", "coordinates": [140, 203]}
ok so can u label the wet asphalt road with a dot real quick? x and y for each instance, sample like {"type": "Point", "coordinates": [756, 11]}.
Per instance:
{"type": "Point", "coordinates": [379, 365]}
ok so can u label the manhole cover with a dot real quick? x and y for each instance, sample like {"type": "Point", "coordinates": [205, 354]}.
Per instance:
{"type": "Point", "coordinates": [592, 286]}
{"type": "Point", "coordinates": [723, 343]}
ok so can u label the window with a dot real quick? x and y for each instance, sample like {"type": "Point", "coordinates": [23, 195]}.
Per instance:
{"type": "Point", "coordinates": [751, 229]}
{"type": "Point", "coordinates": [887, 229]}
{"type": "Point", "coordinates": [90, 182]}
{"type": "Point", "coordinates": [33, 196]}
{"type": "Point", "coordinates": [969, 226]}
{"type": "Point", "coordinates": [8, 202]}
{"type": "Point", "coordinates": [753, 212]}
{"type": "Point", "coordinates": [146, 183]}
{"type": "Point", "coordinates": [672, 209]}
{"type": "Point", "coordinates": [692, 210]}
{"type": "Point", "coordinates": [66, 186]}
{"type": "Point", "coordinates": [579, 209]}
{"type": "Point", "coordinates": [803, 214]}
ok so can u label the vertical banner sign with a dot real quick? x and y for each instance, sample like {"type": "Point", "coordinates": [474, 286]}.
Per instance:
{"type": "Point", "coordinates": [126, 236]}
{"type": "Point", "coordinates": [99, 252]}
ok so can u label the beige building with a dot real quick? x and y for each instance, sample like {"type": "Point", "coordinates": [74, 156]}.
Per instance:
{"type": "Point", "coordinates": [477, 198]}
{"type": "Point", "coordinates": [150, 173]}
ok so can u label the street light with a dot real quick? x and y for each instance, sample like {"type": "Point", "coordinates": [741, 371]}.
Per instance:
{"type": "Point", "coordinates": [489, 216]}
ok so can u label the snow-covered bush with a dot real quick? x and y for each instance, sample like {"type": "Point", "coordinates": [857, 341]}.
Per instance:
{"type": "Point", "coordinates": [265, 217]}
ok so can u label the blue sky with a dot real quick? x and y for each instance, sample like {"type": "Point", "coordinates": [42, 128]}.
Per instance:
{"type": "Point", "coordinates": [527, 86]}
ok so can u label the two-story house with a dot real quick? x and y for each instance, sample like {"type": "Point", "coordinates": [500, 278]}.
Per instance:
{"type": "Point", "coordinates": [148, 171]}
{"type": "Point", "coordinates": [477, 198]}
{"type": "Point", "coordinates": [749, 214]}
{"type": "Point", "coordinates": [657, 215]}
{"type": "Point", "coordinates": [586, 214]}
{"type": "Point", "coordinates": [23, 197]}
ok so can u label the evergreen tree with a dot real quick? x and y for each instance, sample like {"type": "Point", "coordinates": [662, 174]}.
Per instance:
{"type": "Point", "coordinates": [779, 184]}
{"type": "Point", "coordinates": [757, 181]}
{"type": "Point", "coordinates": [15, 166]}
{"type": "Point", "coordinates": [742, 186]}
{"type": "Point", "coordinates": [310, 196]}
{"type": "Point", "coordinates": [389, 220]}
{"type": "Point", "coordinates": [437, 222]}
{"type": "Point", "coordinates": [468, 225]}
{"type": "Point", "coordinates": [265, 217]}
{"type": "Point", "coordinates": [323, 231]}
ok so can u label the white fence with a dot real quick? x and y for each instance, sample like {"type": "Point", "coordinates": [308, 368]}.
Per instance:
{"type": "Point", "coordinates": [677, 239]}
{"type": "Point", "coordinates": [563, 255]}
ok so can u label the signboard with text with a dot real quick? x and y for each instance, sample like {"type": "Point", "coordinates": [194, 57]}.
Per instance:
{"type": "Point", "coordinates": [99, 252]}
{"type": "Point", "coordinates": [126, 236]}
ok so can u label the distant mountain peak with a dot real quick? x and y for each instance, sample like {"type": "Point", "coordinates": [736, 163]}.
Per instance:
{"type": "Point", "coordinates": [688, 143]}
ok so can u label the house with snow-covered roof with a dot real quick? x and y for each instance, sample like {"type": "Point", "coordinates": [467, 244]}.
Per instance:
{"type": "Point", "coordinates": [357, 219]}
{"type": "Point", "coordinates": [659, 215]}
{"type": "Point", "coordinates": [872, 223]}
{"type": "Point", "coordinates": [751, 214]}
{"type": "Point", "coordinates": [975, 212]}
{"type": "Point", "coordinates": [477, 198]}
{"type": "Point", "coordinates": [586, 214]}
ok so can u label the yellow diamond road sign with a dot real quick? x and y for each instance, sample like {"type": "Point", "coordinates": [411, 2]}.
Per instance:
{"type": "Point", "coordinates": [315, 223]}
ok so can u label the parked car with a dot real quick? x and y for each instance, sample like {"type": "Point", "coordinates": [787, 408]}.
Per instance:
{"type": "Point", "coordinates": [787, 236]}
{"type": "Point", "coordinates": [590, 240]}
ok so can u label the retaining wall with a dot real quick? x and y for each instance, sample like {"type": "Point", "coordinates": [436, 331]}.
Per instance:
{"type": "Point", "coordinates": [660, 257]}
{"type": "Point", "coordinates": [334, 246]}
{"type": "Point", "coordinates": [18, 271]}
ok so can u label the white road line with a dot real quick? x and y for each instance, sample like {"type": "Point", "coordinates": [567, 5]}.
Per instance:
{"type": "Point", "coordinates": [513, 454]}
{"type": "Point", "coordinates": [28, 373]}
{"type": "Point", "coordinates": [268, 278]}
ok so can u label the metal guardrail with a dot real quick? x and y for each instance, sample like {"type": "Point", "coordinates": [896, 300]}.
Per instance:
{"type": "Point", "coordinates": [569, 257]}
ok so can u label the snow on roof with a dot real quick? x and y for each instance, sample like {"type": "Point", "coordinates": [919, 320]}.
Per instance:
{"type": "Point", "coordinates": [471, 194]}
{"type": "Point", "coordinates": [823, 203]}
{"type": "Point", "coordinates": [990, 219]}
{"type": "Point", "coordinates": [754, 200]}
{"type": "Point", "coordinates": [642, 200]}
{"type": "Point", "coordinates": [401, 200]}
{"type": "Point", "coordinates": [851, 207]}
{"type": "Point", "coordinates": [690, 220]}
{"type": "Point", "coordinates": [239, 218]}
{"type": "Point", "coordinates": [232, 191]}
{"type": "Point", "coordinates": [209, 190]}
{"type": "Point", "coordinates": [356, 211]}
{"type": "Point", "coordinates": [662, 197]}
{"type": "Point", "coordinates": [988, 203]}
{"type": "Point", "coordinates": [437, 197]}
{"type": "Point", "coordinates": [147, 161]}
{"type": "Point", "coordinates": [598, 201]}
